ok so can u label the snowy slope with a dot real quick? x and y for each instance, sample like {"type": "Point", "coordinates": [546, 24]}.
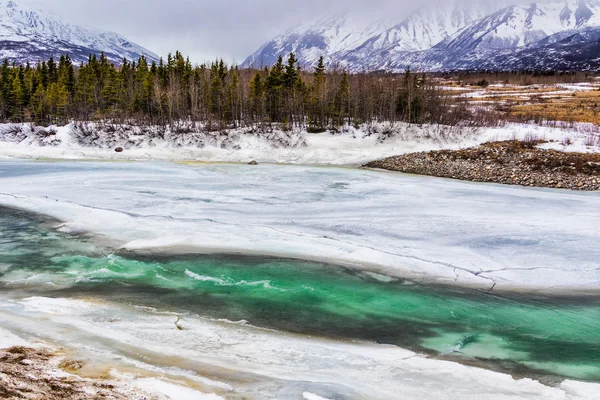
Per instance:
{"type": "Point", "coordinates": [555, 35]}
{"type": "Point", "coordinates": [27, 34]}
{"type": "Point", "coordinates": [420, 31]}
{"type": "Point", "coordinates": [350, 38]}
{"type": "Point", "coordinates": [517, 26]}
{"type": "Point", "coordinates": [339, 34]}
{"type": "Point", "coordinates": [577, 49]}
{"type": "Point", "coordinates": [461, 34]}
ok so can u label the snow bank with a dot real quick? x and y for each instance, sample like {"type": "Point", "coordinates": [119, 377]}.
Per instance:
{"type": "Point", "coordinates": [172, 391]}
{"type": "Point", "coordinates": [350, 147]}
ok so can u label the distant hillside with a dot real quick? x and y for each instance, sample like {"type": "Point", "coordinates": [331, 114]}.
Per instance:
{"type": "Point", "coordinates": [460, 34]}
{"type": "Point", "coordinates": [32, 35]}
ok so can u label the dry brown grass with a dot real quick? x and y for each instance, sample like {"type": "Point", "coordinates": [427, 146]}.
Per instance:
{"type": "Point", "coordinates": [545, 101]}
{"type": "Point", "coordinates": [524, 89]}
{"type": "Point", "coordinates": [455, 92]}
{"type": "Point", "coordinates": [501, 98]}
{"type": "Point", "coordinates": [577, 107]}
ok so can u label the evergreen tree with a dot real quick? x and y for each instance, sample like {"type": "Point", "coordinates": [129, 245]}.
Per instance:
{"type": "Point", "coordinates": [175, 91]}
{"type": "Point", "coordinates": [291, 73]}
{"type": "Point", "coordinates": [317, 101]}
{"type": "Point", "coordinates": [410, 100]}
{"type": "Point", "coordinates": [111, 90]}
{"type": "Point", "coordinates": [44, 75]}
{"type": "Point", "coordinates": [17, 99]}
{"type": "Point", "coordinates": [52, 71]}
{"type": "Point", "coordinates": [257, 95]}
{"type": "Point", "coordinates": [38, 104]}
{"type": "Point", "coordinates": [274, 88]}
{"type": "Point", "coordinates": [231, 106]}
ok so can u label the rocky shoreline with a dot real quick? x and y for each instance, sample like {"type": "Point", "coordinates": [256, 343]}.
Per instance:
{"type": "Point", "coordinates": [37, 374]}
{"type": "Point", "coordinates": [510, 162]}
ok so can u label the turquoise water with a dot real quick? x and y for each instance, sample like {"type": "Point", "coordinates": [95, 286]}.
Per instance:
{"type": "Point", "coordinates": [522, 334]}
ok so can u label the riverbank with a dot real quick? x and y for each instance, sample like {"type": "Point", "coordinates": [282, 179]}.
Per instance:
{"type": "Point", "coordinates": [510, 162]}
{"type": "Point", "coordinates": [35, 368]}
{"type": "Point", "coordinates": [348, 146]}
{"type": "Point", "coordinates": [38, 374]}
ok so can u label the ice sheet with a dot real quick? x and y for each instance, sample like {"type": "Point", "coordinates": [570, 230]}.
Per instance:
{"type": "Point", "coordinates": [487, 235]}
{"type": "Point", "coordinates": [269, 364]}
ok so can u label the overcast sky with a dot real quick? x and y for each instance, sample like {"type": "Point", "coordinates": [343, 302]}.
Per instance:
{"type": "Point", "coordinates": [205, 29]}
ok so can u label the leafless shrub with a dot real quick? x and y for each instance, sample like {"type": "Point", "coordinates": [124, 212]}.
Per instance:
{"type": "Point", "coordinates": [566, 141]}
{"type": "Point", "coordinates": [590, 140]}
{"type": "Point", "coordinates": [531, 138]}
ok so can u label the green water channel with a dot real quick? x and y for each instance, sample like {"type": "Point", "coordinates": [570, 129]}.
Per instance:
{"type": "Point", "coordinates": [522, 334]}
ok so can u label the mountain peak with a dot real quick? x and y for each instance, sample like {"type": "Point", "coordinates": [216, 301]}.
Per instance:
{"type": "Point", "coordinates": [454, 34]}
{"type": "Point", "coordinates": [346, 38]}
{"type": "Point", "coordinates": [28, 34]}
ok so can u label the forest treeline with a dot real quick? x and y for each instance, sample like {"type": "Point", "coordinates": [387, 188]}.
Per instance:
{"type": "Point", "coordinates": [56, 91]}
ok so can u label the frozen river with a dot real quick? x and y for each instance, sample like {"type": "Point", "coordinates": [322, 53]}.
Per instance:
{"type": "Point", "coordinates": [135, 247]}
{"type": "Point", "coordinates": [417, 227]}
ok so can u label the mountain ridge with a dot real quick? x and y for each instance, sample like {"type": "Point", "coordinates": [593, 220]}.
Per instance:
{"type": "Point", "coordinates": [29, 34]}
{"type": "Point", "coordinates": [460, 34]}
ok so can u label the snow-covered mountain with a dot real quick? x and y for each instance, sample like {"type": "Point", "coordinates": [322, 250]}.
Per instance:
{"type": "Point", "coordinates": [336, 34]}
{"type": "Point", "coordinates": [352, 40]}
{"type": "Point", "coordinates": [459, 34]}
{"type": "Point", "coordinates": [420, 31]}
{"type": "Point", "coordinates": [577, 49]}
{"type": "Point", "coordinates": [521, 37]}
{"type": "Point", "coordinates": [28, 34]}
{"type": "Point", "coordinates": [522, 25]}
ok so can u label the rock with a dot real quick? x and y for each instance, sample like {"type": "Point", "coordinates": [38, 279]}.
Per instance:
{"type": "Point", "coordinates": [119, 149]}
{"type": "Point", "coordinates": [252, 163]}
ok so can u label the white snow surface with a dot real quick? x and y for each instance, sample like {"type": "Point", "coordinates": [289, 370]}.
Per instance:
{"type": "Point", "coordinates": [423, 228]}
{"type": "Point", "coordinates": [172, 391]}
{"type": "Point", "coordinates": [352, 147]}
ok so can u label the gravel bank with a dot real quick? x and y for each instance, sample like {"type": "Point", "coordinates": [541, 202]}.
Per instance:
{"type": "Point", "coordinates": [35, 374]}
{"type": "Point", "coordinates": [510, 162]}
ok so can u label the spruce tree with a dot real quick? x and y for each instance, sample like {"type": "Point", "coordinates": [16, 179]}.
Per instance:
{"type": "Point", "coordinates": [110, 92]}
{"type": "Point", "coordinates": [274, 87]}
{"type": "Point", "coordinates": [38, 104]}
{"type": "Point", "coordinates": [257, 96]}
{"type": "Point", "coordinates": [52, 71]}
{"type": "Point", "coordinates": [17, 99]}
{"type": "Point", "coordinates": [317, 117]}
{"type": "Point", "coordinates": [291, 72]}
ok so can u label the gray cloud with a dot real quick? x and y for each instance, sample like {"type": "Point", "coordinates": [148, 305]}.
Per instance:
{"type": "Point", "coordinates": [206, 29]}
